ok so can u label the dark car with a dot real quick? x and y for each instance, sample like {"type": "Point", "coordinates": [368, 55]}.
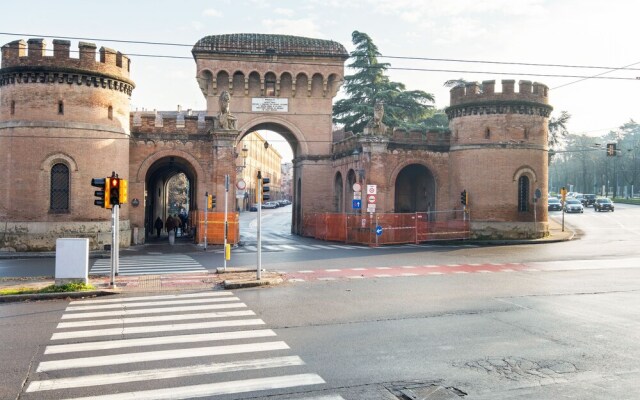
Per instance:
{"type": "Point", "coordinates": [603, 204]}
{"type": "Point", "coordinates": [254, 207]}
{"type": "Point", "coordinates": [554, 204]}
{"type": "Point", "coordinates": [588, 200]}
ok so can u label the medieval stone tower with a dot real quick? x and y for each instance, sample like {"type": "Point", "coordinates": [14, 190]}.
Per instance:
{"type": "Point", "coordinates": [498, 154]}
{"type": "Point", "coordinates": [63, 120]}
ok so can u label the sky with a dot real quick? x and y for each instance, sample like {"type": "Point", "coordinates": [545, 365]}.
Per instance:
{"type": "Point", "coordinates": [483, 40]}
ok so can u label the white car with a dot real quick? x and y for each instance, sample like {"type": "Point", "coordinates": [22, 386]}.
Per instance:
{"type": "Point", "coordinates": [573, 206]}
{"type": "Point", "coordinates": [269, 204]}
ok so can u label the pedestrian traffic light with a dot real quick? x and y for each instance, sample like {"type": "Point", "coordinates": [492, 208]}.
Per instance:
{"type": "Point", "coordinates": [102, 197]}
{"type": "Point", "coordinates": [611, 149]}
{"type": "Point", "coordinates": [213, 201]}
{"type": "Point", "coordinates": [124, 191]}
{"type": "Point", "coordinates": [209, 201]}
{"type": "Point", "coordinates": [265, 189]}
{"type": "Point", "coordinates": [114, 191]}
{"type": "Point", "coordinates": [464, 197]}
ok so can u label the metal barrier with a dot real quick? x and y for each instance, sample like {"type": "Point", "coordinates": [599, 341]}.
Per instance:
{"type": "Point", "coordinates": [394, 228]}
{"type": "Point", "coordinates": [215, 227]}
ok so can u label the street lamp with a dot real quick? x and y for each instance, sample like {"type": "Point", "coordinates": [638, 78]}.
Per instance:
{"type": "Point", "coordinates": [356, 158]}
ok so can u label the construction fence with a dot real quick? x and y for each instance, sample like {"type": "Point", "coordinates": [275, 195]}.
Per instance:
{"type": "Point", "coordinates": [387, 228]}
{"type": "Point", "coordinates": [215, 227]}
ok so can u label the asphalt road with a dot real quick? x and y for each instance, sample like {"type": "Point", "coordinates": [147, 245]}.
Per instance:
{"type": "Point", "coordinates": [507, 322]}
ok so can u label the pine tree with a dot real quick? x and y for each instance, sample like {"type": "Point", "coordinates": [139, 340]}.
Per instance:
{"type": "Point", "coordinates": [369, 84]}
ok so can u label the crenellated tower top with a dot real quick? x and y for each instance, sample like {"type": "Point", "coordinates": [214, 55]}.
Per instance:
{"type": "Point", "coordinates": [474, 92]}
{"type": "Point", "coordinates": [31, 57]}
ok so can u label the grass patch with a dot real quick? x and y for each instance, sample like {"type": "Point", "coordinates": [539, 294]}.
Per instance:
{"type": "Point", "coordinates": [69, 287]}
{"type": "Point", "coordinates": [626, 201]}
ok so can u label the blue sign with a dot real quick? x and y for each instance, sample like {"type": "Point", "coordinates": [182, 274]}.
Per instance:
{"type": "Point", "coordinates": [357, 204]}
{"type": "Point", "coordinates": [378, 230]}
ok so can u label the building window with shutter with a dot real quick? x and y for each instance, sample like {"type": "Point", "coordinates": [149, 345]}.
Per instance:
{"type": "Point", "coordinates": [59, 189]}
{"type": "Point", "coordinates": [523, 194]}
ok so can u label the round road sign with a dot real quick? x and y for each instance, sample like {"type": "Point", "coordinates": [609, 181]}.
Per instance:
{"type": "Point", "coordinates": [357, 187]}
{"type": "Point", "coordinates": [371, 199]}
{"type": "Point", "coordinates": [241, 184]}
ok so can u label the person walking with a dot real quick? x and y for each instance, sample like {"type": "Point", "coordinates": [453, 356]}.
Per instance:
{"type": "Point", "coordinates": [158, 225]}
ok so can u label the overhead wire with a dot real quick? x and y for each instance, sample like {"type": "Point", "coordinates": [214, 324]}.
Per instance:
{"type": "Point", "coordinates": [415, 69]}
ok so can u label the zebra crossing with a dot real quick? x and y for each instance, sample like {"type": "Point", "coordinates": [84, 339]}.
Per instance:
{"type": "Point", "coordinates": [150, 265]}
{"type": "Point", "coordinates": [167, 347]}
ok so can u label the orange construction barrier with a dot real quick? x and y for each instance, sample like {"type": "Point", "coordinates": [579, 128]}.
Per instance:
{"type": "Point", "coordinates": [215, 227]}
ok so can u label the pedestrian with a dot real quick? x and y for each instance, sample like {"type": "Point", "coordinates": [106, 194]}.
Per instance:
{"type": "Point", "coordinates": [178, 223]}
{"type": "Point", "coordinates": [158, 225]}
{"type": "Point", "coordinates": [170, 224]}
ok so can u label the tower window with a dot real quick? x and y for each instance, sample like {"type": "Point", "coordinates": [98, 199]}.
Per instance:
{"type": "Point", "coordinates": [487, 133]}
{"type": "Point", "coordinates": [110, 112]}
{"type": "Point", "coordinates": [59, 196]}
{"type": "Point", "coordinates": [523, 194]}
{"type": "Point", "coordinates": [270, 88]}
{"type": "Point", "coordinates": [61, 107]}
{"type": "Point", "coordinates": [13, 107]}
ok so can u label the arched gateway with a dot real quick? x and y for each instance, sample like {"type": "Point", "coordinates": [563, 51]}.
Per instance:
{"type": "Point", "coordinates": [276, 82]}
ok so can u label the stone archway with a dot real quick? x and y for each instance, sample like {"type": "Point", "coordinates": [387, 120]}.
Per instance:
{"type": "Point", "coordinates": [415, 189]}
{"type": "Point", "coordinates": [156, 201]}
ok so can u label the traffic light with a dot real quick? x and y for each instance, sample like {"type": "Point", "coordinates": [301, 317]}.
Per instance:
{"type": "Point", "coordinates": [213, 201]}
{"type": "Point", "coordinates": [102, 198]}
{"type": "Point", "coordinates": [114, 191]}
{"type": "Point", "coordinates": [611, 149]}
{"type": "Point", "coordinates": [124, 191]}
{"type": "Point", "coordinates": [209, 201]}
{"type": "Point", "coordinates": [265, 189]}
{"type": "Point", "coordinates": [463, 197]}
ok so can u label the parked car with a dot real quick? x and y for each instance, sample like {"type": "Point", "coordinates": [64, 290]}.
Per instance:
{"type": "Point", "coordinates": [269, 204]}
{"type": "Point", "coordinates": [254, 207]}
{"type": "Point", "coordinates": [588, 200]}
{"type": "Point", "coordinates": [573, 205]}
{"type": "Point", "coordinates": [603, 204]}
{"type": "Point", "coordinates": [554, 204]}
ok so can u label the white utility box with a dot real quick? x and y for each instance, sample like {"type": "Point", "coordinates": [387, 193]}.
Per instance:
{"type": "Point", "coordinates": [72, 260]}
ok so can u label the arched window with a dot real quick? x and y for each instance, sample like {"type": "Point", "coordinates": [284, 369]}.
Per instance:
{"type": "Point", "coordinates": [59, 188]}
{"type": "Point", "coordinates": [523, 194]}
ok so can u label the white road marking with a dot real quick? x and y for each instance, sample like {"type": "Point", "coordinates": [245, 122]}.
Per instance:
{"type": "Point", "coordinates": [99, 314]}
{"type": "Point", "coordinates": [358, 269]}
{"type": "Point", "coordinates": [163, 373]}
{"type": "Point", "coordinates": [326, 279]}
{"type": "Point", "coordinates": [159, 318]}
{"type": "Point", "coordinates": [154, 328]}
{"type": "Point", "coordinates": [306, 271]}
{"type": "Point", "coordinates": [162, 355]}
{"type": "Point", "coordinates": [408, 274]}
{"type": "Point", "coordinates": [297, 280]}
{"type": "Point", "coordinates": [157, 340]}
{"type": "Point", "coordinates": [383, 268]}
{"type": "Point", "coordinates": [73, 307]}
{"type": "Point", "coordinates": [163, 297]}
{"type": "Point", "coordinates": [355, 277]}
{"type": "Point", "coordinates": [408, 267]}
{"type": "Point", "coordinates": [332, 270]}
{"type": "Point", "coordinates": [382, 276]}
{"type": "Point", "coordinates": [507, 270]}
{"type": "Point", "coordinates": [484, 271]}
{"type": "Point", "coordinates": [215, 389]}
{"type": "Point", "coordinates": [460, 272]}
{"type": "Point", "coordinates": [436, 273]}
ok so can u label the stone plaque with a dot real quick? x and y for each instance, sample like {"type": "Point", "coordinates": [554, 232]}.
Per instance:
{"type": "Point", "coordinates": [269, 104]}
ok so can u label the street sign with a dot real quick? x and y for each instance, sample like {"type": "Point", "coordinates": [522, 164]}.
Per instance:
{"type": "Point", "coordinates": [371, 208]}
{"type": "Point", "coordinates": [378, 230]}
{"type": "Point", "coordinates": [357, 187]}
{"type": "Point", "coordinates": [372, 189]}
{"type": "Point", "coordinates": [357, 195]}
{"type": "Point", "coordinates": [241, 184]}
{"type": "Point", "coordinates": [371, 199]}
{"type": "Point", "coordinates": [240, 194]}
{"type": "Point", "coordinates": [356, 204]}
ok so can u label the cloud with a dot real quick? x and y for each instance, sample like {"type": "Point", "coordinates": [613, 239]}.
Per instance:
{"type": "Point", "coordinates": [297, 27]}
{"type": "Point", "coordinates": [212, 12]}
{"type": "Point", "coordinates": [287, 12]}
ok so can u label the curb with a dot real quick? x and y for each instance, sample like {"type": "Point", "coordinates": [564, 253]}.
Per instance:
{"type": "Point", "coordinates": [229, 284]}
{"type": "Point", "coordinates": [53, 296]}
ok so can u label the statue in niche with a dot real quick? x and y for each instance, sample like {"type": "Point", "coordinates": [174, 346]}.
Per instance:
{"type": "Point", "coordinates": [376, 126]}
{"type": "Point", "coordinates": [225, 119]}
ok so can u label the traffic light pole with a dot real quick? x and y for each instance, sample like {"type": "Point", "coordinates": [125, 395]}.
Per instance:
{"type": "Point", "coordinates": [206, 215]}
{"type": "Point", "coordinates": [226, 221]}
{"type": "Point", "coordinates": [114, 243]}
{"type": "Point", "coordinates": [258, 236]}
